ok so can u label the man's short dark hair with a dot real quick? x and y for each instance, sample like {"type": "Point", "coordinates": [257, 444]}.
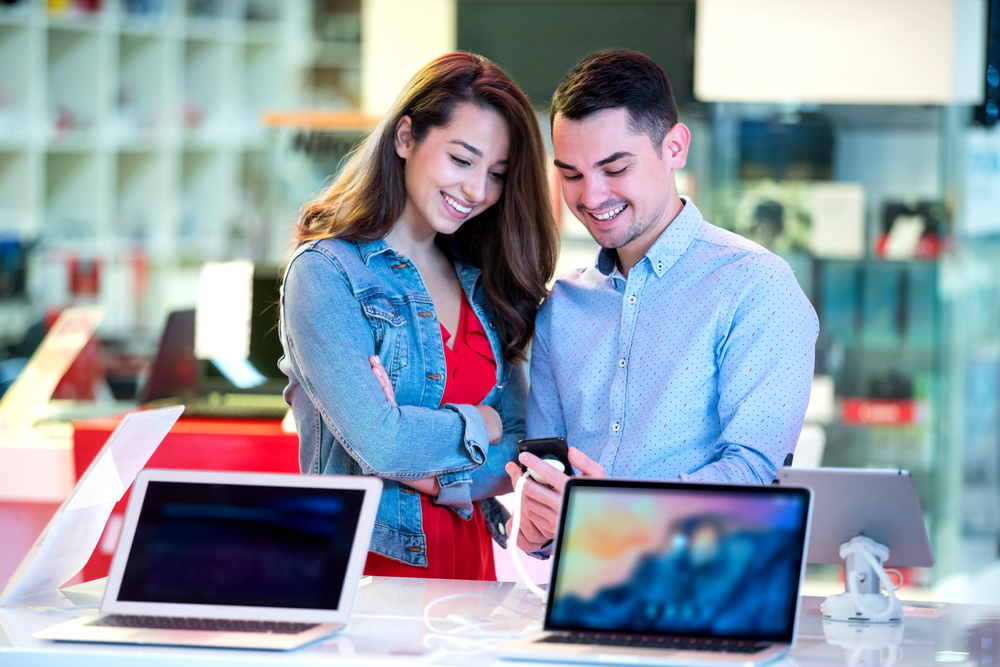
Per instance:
{"type": "Point", "coordinates": [619, 79]}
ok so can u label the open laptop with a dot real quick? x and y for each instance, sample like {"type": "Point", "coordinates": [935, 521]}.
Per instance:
{"type": "Point", "coordinates": [249, 387]}
{"type": "Point", "coordinates": [671, 573]}
{"type": "Point", "coordinates": [240, 560]}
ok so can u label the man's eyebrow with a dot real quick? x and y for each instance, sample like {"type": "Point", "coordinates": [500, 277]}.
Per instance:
{"type": "Point", "coordinates": [612, 158]}
{"type": "Point", "coordinates": [472, 149]}
{"type": "Point", "coordinates": [563, 165]}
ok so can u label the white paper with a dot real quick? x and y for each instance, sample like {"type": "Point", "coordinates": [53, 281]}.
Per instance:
{"type": "Point", "coordinates": [67, 543]}
{"type": "Point", "coordinates": [223, 309]}
{"type": "Point", "coordinates": [26, 398]}
{"type": "Point", "coordinates": [904, 236]}
{"type": "Point", "coordinates": [240, 372]}
{"type": "Point", "coordinates": [837, 212]}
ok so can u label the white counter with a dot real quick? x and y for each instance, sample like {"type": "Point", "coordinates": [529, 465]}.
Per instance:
{"type": "Point", "coordinates": [387, 628]}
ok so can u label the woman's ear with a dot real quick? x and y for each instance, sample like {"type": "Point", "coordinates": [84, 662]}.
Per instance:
{"type": "Point", "coordinates": [404, 137]}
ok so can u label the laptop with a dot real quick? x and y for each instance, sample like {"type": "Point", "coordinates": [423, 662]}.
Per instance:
{"type": "Point", "coordinates": [238, 560]}
{"type": "Point", "coordinates": [672, 573]}
{"type": "Point", "coordinates": [248, 387]}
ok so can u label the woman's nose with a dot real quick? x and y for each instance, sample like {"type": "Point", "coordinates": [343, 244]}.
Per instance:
{"type": "Point", "coordinates": [474, 189]}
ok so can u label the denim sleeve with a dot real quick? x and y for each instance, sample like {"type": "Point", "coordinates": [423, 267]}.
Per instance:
{"type": "Point", "coordinates": [544, 411]}
{"type": "Point", "coordinates": [491, 479]}
{"type": "Point", "coordinates": [765, 363]}
{"type": "Point", "coordinates": [328, 341]}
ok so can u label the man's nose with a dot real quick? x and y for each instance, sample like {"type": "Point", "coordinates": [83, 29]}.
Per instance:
{"type": "Point", "coordinates": [594, 194]}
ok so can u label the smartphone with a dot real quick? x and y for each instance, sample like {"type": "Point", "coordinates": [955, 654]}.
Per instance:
{"type": "Point", "coordinates": [549, 450]}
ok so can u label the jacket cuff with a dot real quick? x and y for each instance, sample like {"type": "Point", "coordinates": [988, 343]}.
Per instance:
{"type": "Point", "coordinates": [475, 439]}
{"type": "Point", "coordinates": [456, 492]}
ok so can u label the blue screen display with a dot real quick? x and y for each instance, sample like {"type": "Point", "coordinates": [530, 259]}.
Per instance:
{"type": "Point", "coordinates": [677, 561]}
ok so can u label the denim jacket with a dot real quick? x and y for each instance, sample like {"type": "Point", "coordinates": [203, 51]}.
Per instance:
{"type": "Point", "coordinates": [344, 301]}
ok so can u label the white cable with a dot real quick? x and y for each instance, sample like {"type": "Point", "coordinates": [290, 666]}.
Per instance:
{"type": "Point", "coordinates": [512, 541]}
{"type": "Point", "coordinates": [469, 635]}
{"type": "Point", "coordinates": [868, 550]}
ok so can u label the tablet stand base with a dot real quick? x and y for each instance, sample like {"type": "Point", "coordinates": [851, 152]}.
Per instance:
{"type": "Point", "coordinates": [842, 607]}
{"type": "Point", "coordinates": [865, 579]}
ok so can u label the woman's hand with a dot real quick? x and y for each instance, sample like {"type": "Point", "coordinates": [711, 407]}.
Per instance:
{"type": "Point", "coordinates": [383, 378]}
{"type": "Point", "coordinates": [494, 426]}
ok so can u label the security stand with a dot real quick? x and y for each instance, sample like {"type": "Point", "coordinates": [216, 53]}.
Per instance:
{"type": "Point", "coordinates": [864, 579]}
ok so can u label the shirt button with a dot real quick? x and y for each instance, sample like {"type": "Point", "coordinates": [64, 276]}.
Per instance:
{"type": "Point", "coordinates": [659, 266]}
{"type": "Point", "coordinates": [501, 529]}
{"type": "Point", "coordinates": [492, 324]}
{"type": "Point", "coordinates": [621, 362]}
{"type": "Point", "coordinates": [631, 299]}
{"type": "Point", "coordinates": [616, 427]}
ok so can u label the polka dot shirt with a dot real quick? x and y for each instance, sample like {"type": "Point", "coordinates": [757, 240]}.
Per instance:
{"type": "Point", "coordinates": [698, 366]}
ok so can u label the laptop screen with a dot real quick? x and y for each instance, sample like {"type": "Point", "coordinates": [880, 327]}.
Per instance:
{"type": "Point", "coordinates": [254, 546]}
{"type": "Point", "coordinates": [679, 559]}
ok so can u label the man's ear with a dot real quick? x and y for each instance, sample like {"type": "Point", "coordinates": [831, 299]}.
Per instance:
{"type": "Point", "coordinates": [404, 137]}
{"type": "Point", "coordinates": [675, 146]}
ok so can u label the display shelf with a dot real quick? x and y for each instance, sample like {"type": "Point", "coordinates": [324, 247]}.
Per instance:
{"type": "Point", "coordinates": [205, 89]}
{"type": "Point", "coordinates": [17, 201]}
{"type": "Point", "coordinates": [142, 109]}
{"type": "Point", "coordinates": [139, 196]}
{"type": "Point", "coordinates": [15, 81]}
{"type": "Point", "coordinates": [205, 213]}
{"type": "Point", "coordinates": [109, 122]}
{"type": "Point", "coordinates": [75, 84]}
{"type": "Point", "coordinates": [263, 87]}
{"type": "Point", "coordinates": [73, 197]}
{"type": "Point", "coordinates": [253, 237]}
{"type": "Point", "coordinates": [19, 13]}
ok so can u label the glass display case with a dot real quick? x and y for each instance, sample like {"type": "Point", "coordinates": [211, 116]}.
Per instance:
{"type": "Point", "coordinates": [868, 206]}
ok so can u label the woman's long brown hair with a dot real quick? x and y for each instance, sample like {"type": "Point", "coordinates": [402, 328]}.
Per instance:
{"type": "Point", "coordinates": [514, 242]}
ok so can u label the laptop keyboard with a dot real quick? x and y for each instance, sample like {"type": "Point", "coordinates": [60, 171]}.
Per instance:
{"type": "Point", "coordinates": [207, 624]}
{"type": "Point", "coordinates": [658, 642]}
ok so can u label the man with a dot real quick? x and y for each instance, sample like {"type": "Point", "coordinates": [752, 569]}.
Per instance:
{"type": "Point", "coordinates": [687, 351]}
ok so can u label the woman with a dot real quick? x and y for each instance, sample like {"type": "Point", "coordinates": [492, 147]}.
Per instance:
{"type": "Point", "coordinates": [407, 308]}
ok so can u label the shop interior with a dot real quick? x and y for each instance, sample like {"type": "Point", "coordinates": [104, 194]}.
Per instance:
{"type": "Point", "coordinates": [145, 143]}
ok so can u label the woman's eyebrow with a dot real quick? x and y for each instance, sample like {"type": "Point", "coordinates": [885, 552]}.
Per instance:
{"type": "Point", "coordinates": [469, 147]}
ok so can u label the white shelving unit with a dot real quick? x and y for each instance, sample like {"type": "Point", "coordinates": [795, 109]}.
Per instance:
{"type": "Point", "coordinates": [130, 136]}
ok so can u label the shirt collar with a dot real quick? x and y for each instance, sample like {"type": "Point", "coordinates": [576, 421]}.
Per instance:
{"type": "Point", "coordinates": [670, 245]}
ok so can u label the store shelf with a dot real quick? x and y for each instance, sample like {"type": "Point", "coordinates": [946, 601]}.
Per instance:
{"type": "Point", "coordinates": [142, 111]}
{"type": "Point", "coordinates": [73, 197]}
{"type": "Point", "coordinates": [76, 78]}
{"type": "Point", "coordinates": [16, 201]}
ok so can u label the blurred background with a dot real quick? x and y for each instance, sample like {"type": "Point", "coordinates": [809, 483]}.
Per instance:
{"type": "Point", "coordinates": [857, 139]}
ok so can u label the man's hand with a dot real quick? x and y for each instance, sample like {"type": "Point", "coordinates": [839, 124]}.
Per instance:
{"type": "Point", "coordinates": [540, 504]}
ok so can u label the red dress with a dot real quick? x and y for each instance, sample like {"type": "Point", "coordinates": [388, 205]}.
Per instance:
{"type": "Point", "coordinates": [456, 549]}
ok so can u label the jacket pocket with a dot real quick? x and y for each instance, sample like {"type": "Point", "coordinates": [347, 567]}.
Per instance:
{"type": "Point", "coordinates": [388, 332]}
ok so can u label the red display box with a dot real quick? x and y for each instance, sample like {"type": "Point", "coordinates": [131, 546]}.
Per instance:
{"type": "Point", "coordinates": [245, 445]}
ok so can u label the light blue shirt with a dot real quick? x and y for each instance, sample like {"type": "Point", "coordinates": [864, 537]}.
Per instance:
{"type": "Point", "coordinates": [698, 366]}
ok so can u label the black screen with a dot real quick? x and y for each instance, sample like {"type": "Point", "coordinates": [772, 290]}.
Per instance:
{"type": "Point", "coordinates": [253, 546]}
